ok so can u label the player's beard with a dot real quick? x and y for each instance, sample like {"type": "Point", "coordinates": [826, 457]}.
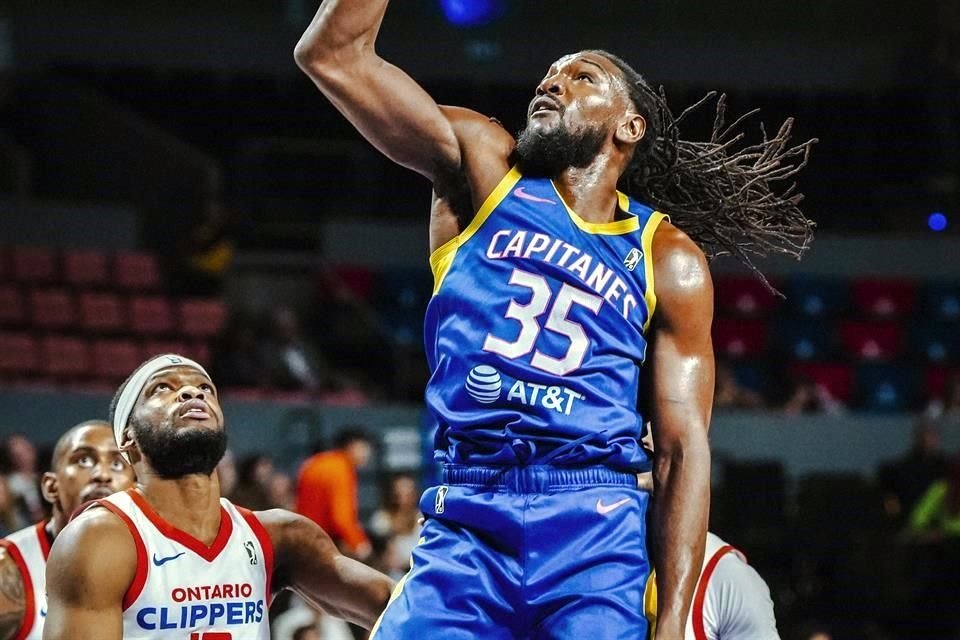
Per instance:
{"type": "Point", "coordinates": [546, 154]}
{"type": "Point", "coordinates": [175, 453]}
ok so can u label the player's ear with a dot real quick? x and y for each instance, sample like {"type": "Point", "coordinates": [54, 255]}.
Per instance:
{"type": "Point", "coordinates": [49, 487]}
{"type": "Point", "coordinates": [631, 128]}
{"type": "Point", "coordinates": [128, 446]}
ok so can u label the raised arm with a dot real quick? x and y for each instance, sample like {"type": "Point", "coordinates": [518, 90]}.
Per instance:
{"type": "Point", "coordinates": [309, 563]}
{"type": "Point", "coordinates": [92, 563]}
{"type": "Point", "coordinates": [682, 397]}
{"type": "Point", "coordinates": [13, 600]}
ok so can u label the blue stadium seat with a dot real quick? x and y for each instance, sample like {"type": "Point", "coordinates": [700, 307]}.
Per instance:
{"type": "Point", "coordinates": [935, 342]}
{"type": "Point", "coordinates": [815, 296]}
{"type": "Point", "coordinates": [401, 297]}
{"type": "Point", "coordinates": [886, 388]}
{"type": "Point", "coordinates": [941, 300]}
{"type": "Point", "coordinates": [804, 338]}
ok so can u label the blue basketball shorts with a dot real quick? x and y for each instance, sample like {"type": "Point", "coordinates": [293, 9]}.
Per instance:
{"type": "Point", "coordinates": [526, 552]}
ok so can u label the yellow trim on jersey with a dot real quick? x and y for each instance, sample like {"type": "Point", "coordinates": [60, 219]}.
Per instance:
{"type": "Point", "coordinates": [646, 241]}
{"type": "Point", "coordinates": [442, 258]}
{"type": "Point", "coordinates": [650, 603]}
{"type": "Point", "coordinates": [397, 590]}
{"type": "Point", "coordinates": [615, 228]}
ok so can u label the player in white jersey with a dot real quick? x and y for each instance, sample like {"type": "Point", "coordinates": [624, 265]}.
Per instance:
{"type": "Point", "coordinates": [170, 558]}
{"type": "Point", "coordinates": [731, 600]}
{"type": "Point", "coordinates": [86, 465]}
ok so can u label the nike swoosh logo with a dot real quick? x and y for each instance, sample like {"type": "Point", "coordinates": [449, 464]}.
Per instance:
{"type": "Point", "coordinates": [159, 562]}
{"type": "Point", "coordinates": [604, 509]}
{"type": "Point", "coordinates": [523, 195]}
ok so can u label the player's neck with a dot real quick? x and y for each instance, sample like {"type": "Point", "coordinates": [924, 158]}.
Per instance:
{"type": "Point", "coordinates": [190, 503]}
{"type": "Point", "coordinates": [591, 191]}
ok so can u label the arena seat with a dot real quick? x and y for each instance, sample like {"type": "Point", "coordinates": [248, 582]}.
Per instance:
{"type": "Point", "coordinates": [52, 309]}
{"type": "Point", "coordinates": [136, 271]}
{"type": "Point", "coordinates": [102, 312]}
{"type": "Point", "coordinates": [12, 310]}
{"type": "Point", "coordinates": [65, 357]}
{"type": "Point", "coordinates": [739, 337]}
{"type": "Point", "coordinates": [871, 340]}
{"type": "Point", "coordinates": [86, 269]}
{"type": "Point", "coordinates": [115, 359]}
{"type": "Point", "coordinates": [886, 388]}
{"type": "Point", "coordinates": [34, 265]}
{"type": "Point", "coordinates": [18, 354]}
{"type": "Point", "coordinates": [202, 318]}
{"type": "Point", "coordinates": [835, 377]}
{"type": "Point", "coordinates": [815, 296]}
{"type": "Point", "coordinates": [151, 315]}
{"type": "Point", "coordinates": [879, 298]}
{"type": "Point", "coordinates": [743, 296]}
{"type": "Point", "coordinates": [803, 338]}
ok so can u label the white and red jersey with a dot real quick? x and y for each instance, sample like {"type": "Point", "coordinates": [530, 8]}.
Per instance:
{"type": "Point", "coordinates": [186, 590]}
{"type": "Point", "coordinates": [29, 549]}
{"type": "Point", "coordinates": [731, 601]}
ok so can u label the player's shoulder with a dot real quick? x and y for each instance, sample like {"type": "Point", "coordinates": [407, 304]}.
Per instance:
{"type": "Point", "coordinates": [473, 128]}
{"type": "Point", "coordinates": [97, 534]}
{"type": "Point", "coordinates": [680, 265]}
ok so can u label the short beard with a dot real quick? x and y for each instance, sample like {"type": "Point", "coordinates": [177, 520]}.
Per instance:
{"type": "Point", "coordinates": [175, 453]}
{"type": "Point", "coordinates": [546, 154]}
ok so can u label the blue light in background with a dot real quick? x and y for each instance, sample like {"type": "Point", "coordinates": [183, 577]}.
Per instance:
{"type": "Point", "coordinates": [937, 221]}
{"type": "Point", "coordinates": [471, 13]}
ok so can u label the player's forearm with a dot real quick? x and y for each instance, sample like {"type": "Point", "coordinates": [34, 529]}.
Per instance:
{"type": "Point", "coordinates": [340, 27]}
{"type": "Point", "coordinates": [359, 594]}
{"type": "Point", "coordinates": [13, 601]}
{"type": "Point", "coordinates": [681, 510]}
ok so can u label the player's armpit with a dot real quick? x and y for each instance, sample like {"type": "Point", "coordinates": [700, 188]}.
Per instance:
{"type": "Point", "coordinates": [309, 563]}
{"type": "Point", "coordinates": [13, 599]}
{"type": "Point", "coordinates": [92, 563]}
{"type": "Point", "coordinates": [681, 402]}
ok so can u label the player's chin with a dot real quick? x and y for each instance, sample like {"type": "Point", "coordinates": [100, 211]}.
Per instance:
{"type": "Point", "coordinates": [212, 423]}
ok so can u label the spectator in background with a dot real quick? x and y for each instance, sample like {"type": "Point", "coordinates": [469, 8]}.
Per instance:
{"type": "Point", "coordinates": [237, 360]}
{"type": "Point", "coordinates": [396, 524]}
{"type": "Point", "coordinates": [281, 491]}
{"type": "Point", "coordinates": [23, 480]}
{"type": "Point", "coordinates": [936, 516]}
{"type": "Point", "coordinates": [227, 473]}
{"type": "Point", "coordinates": [291, 362]}
{"type": "Point", "coordinates": [906, 478]}
{"type": "Point", "coordinates": [803, 395]}
{"type": "Point", "coordinates": [205, 250]}
{"type": "Point", "coordinates": [253, 483]}
{"type": "Point", "coordinates": [327, 490]}
{"type": "Point", "coordinates": [947, 405]}
{"type": "Point", "coordinates": [8, 509]}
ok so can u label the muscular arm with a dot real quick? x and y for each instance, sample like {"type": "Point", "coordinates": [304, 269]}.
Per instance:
{"type": "Point", "coordinates": [682, 397]}
{"type": "Point", "coordinates": [13, 601]}
{"type": "Point", "coordinates": [91, 565]}
{"type": "Point", "coordinates": [447, 145]}
{"type": "Point", "coordinates": [309, 563]}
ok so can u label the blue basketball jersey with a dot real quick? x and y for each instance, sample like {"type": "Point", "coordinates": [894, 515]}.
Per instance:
{"type": "Point", "coordinates": [537, 332]}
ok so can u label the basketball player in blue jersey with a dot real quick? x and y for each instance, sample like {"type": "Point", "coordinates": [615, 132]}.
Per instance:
{"type": "Point", "coordinates": [558, 302]}
{"type": "Point", "coordinates": [170, 558]}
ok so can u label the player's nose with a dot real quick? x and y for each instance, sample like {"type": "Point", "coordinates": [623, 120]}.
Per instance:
{"type": "Point", "coordinates": [551, 85]}
{"type": "Point", "coordinates": [190, 392]}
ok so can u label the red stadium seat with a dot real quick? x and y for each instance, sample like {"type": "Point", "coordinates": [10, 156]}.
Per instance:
{"type": "Point", "coordinates": [34, 265]}
{"type": "Point", "coordinates": [136, 272]}
{"type": "Point", "coordinates": [85, 269]}
{"type": "Point", "coordinates": [743, 297]}
{"type": "Point", "coordinates": [4, 264]}
{"type": "Point", "coordinates": [18, 354]}
{"type": "Point", "coordinates": [65, 357]}
{"type": "Point", "coordinates": [52, 309]}
{"type": "Point", "coordinates": [202, 318]}
{"type": "Point", "coordinates": [836, 378]}
{"type": "Point", "coordinates": [151, 316]}
{"type": "Point", "coordinates": [358, 279]}
{"type": "Point", "coordinates": [740, 338]}
{"type": "Point", "coordinates": [884, 298]}
{"type": "Point", "coordinates": [871, 340]}
{"type": "Point", "coordinates": [102, 312]}
{"type": "Point", "coordinates": [114, 360]}
{"type": "Point", "coordinates": [11, 306]}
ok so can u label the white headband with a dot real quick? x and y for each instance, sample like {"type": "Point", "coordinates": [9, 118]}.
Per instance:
{"type": "Point", "coordinates": [132, 390]}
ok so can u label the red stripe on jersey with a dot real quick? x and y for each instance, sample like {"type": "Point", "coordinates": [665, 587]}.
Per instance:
{"type": "Point", "coordinates": [44, 540]}
{"type": "Point", "coordinates": [208, 553]}
{"type": "Point", "coordinates": [29, 610]}
{"type": "Point", "coordinates": [265, 543]}
{"type": "Point", "coordinates": [143, 562]}
{"type": "Point", "coordinates": [698, 631]}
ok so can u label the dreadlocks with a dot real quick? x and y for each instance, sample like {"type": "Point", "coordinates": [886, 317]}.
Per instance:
{"type": "Point", "coordinates": [719, 192]}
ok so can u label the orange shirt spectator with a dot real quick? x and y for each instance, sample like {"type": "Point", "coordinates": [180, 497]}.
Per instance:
{"type": "Point", "coordinates": [327, 491]}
